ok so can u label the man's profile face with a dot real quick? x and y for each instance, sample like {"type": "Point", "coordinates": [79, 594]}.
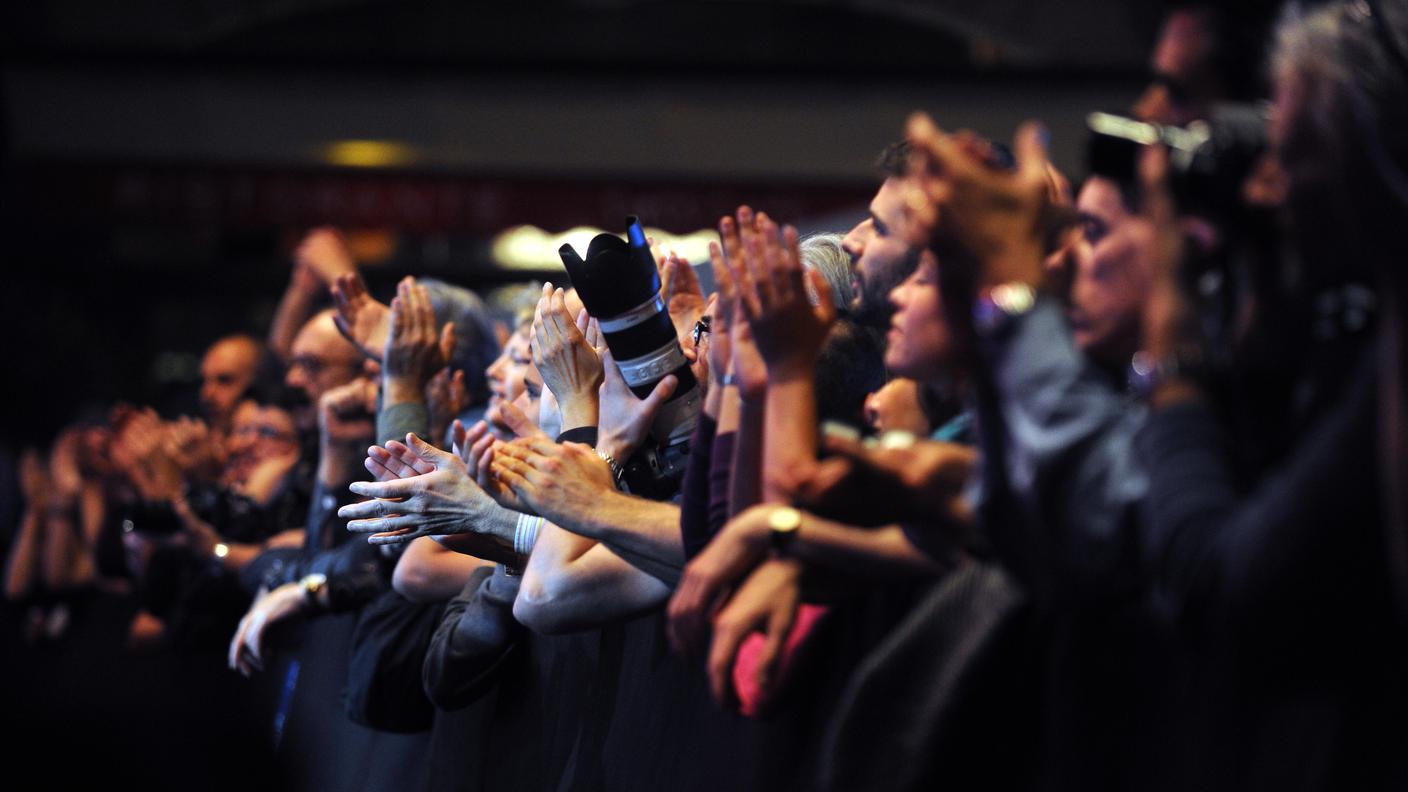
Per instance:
{"type": "Point", "coordinates": [226, 373]}
{"type": "Point", "coordinates": [320, 360]}
{"type": "Point", "coordinates": [1109, 282]}
{"type": "Point", "coordinates": [880, 259]}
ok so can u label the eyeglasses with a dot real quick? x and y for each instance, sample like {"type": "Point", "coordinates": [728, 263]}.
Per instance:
{"type": "Point", "coordinates": [264, 432]}
{"type": "Point", "coordinates": [701, 329]}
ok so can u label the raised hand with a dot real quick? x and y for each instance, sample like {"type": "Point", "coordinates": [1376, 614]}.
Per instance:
{"type": "Point", "coordinates": [730, 326]}
{"type": "Point", "coordinates": [570, 367]}
{"type": "Point", "coordinates": [323, 256]}
{"type": "Point", "coordinates": [415, 348]}
{"type": "Point", "coordinates": [446, 395]}
{"type": "Point", "coordinates": [680, 291]}
{"type": "Point", "coordinates": [441, 502]}
{"type": "Point", "coordinates": [361, 319]}
{"type": "Point", "coordinates": [194, 448]}
{"type": "Point", "coordinates": [559, 481]}
{"type": "Point", "coordinates": [772, 289]}
{"type": "Point", "coordinates": [994, 216]}
{"type": "Point", "coordinates": [345, 412]}
{"type": "Point", "coordinates": [625, 419]}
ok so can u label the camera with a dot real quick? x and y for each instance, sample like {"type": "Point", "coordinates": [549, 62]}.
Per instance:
{"type": "Point", "coordinates": [620, 286]}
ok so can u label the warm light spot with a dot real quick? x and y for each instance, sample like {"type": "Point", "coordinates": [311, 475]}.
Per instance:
{"type": "Point", "coordinates": [528, 247]}
{"type": "Point", "coordinates": [369, 153]}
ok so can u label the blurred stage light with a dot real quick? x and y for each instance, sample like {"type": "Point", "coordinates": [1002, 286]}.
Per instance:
{"type": "Point", "coordinates": [528, 247]}
{"type": "Point", "coordinates": [368, 153]}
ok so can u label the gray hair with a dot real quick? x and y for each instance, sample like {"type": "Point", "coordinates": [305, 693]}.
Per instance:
{"type": "Point", "coordinates": [824, 253]}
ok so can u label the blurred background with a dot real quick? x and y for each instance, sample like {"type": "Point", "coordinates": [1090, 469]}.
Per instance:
{"type": "Point", "coordinates": [160, 159]}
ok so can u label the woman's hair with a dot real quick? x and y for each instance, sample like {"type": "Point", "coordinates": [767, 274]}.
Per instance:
{"type": "Point", "coordinates": [1353, 122]}
{"type": "Point", "coordinates": [476, 345]}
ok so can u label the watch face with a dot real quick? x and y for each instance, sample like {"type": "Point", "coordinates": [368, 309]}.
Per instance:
{"type": "Point", "coordinates": [784, 520]}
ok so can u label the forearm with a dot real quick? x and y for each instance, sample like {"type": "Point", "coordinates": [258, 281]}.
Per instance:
{"type": "Point", "coordinates": [24, 554]}
{"type": "Point", "coordinates": [340, 464]}
{"type": "Point", "coordinates": [295, 308]}
{"type": "Point", "coordinates": [790, 432]}
{"type": "Point", "coordinates": [397, 419]}
{"type": "Point", "coordinates": [428, 572]}
{"type": "Point", "coordinates": [476, 633]}
{"type": "Point", "coordinates": [573, 583]}
{"type": "Point", "coordinates": [491, 533]}
{"type": "Point", "coordinates": [645, 533]}
{"type": "Point", "coordinates": [880, 553]}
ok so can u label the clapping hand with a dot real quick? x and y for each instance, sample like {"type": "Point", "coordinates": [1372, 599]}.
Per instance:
{"type": "Point", "coordinates": [765, 266]}
{"type": "Point", "coordinates": [361, 319]}
{"type": "Point", "coordinates": [569, 365]}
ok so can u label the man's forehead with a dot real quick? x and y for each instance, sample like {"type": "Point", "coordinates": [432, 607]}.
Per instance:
{"type": "Point", "coordinates": [887, 204]}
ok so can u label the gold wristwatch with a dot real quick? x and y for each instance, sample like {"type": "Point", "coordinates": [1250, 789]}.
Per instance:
{"type": "Point", "coordinates": [783, 523]}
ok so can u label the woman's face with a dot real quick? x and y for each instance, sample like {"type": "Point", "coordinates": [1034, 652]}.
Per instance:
{"type": "Point", "coordinates": [506, 373]}
{"type": "Point", "coordinates": [918, 344]}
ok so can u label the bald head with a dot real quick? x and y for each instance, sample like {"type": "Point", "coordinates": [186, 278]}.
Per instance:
{"type": "Point", "coordinates": [226, 372]}
{"type": "Point", "coordinates": [321, 359]}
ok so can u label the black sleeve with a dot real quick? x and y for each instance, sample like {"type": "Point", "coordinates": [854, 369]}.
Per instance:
{"type": "Point", "coordinates": [477, 633]}
{"type": "Point", "coordinates": [582, 434]}
{"type": "Point", "coordinates": [1304, 537]}
{"type": "Point", "coordinates": [694, 492]}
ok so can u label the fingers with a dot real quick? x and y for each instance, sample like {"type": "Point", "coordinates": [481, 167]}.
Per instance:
{"type": "Point", "coordinates": [512, 473]}
{"type": "Point", "coordinates": [825, 299]}
{"type": "Point", "coordinates": [437, 457]}
{"type": "Point", "coordinates": [729, 633]}
{"type": "Point", "coordinates": [1030, 146]}
{"type": "Point", "coordinates": [399, 488]}
{"type": "Point", "coordinates": [664, 389]}
{"type": "Point", "coordinates": [414, 464]}
{"type": "Point", "coordinates": [517, 421]}
{"type": "Point", "coordinates": [447, 341]}
{"type": "Point", "coordinates": [372, 509]}
{"type": "Point", "coordinates": [411, 529]}
{"type": "Point", "coordinates": [781, 617]}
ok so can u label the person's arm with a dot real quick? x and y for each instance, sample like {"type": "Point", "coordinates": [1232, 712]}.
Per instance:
{"type": "Point", "coordinates": [695, 488]}
{"type": "Point", "coordinates": [574, 583]}
{"type": "Point", "coordinates": [570, 485]}
{"type": "Point", "coordinates": [22, 565]}
{"type": "Point", "coordinates": [321, 257]}
{"type": "Point", "coordinates": [429, 572]}
{"type": "Point", "coordinates": [435, 495]}
{"type": "Point", "coordinates": [1304, 538]}
{"type": "Point", "coordinates": [476, 636]}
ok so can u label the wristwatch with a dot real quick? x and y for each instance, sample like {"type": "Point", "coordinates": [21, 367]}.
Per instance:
{"type": "Point", "coordinates": [996, 307]}
{"type": "Point", "coordinates": [1147, 372]}
{"type": "Point", "coordinates": [313, 586]}
{"type": "Point", "coordinates": [783, 523]}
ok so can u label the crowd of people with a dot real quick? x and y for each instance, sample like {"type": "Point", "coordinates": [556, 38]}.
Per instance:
{"type": "Point", "coordinates": [1011, 485]}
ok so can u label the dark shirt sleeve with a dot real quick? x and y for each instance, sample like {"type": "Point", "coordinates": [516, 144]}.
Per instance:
{"type": "Point", "coordinates": [398, 420]}
{"type": "Point", "coordinates": [582, 434]}
{"type": "Point", "coordinates": [1061, 485]}
{"type": "Point", "coordinates": [695, 490]}
{"type": "Point", "coordinates": [1299, 541]}
{"type": "Point", "coordinates": [476, 634]}
{"type": "Point", "coordinates": [720, 480]}
{"type": "Point", "coordinates": [357, 571]}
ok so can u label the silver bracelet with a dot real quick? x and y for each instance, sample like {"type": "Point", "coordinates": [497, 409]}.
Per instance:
{"type": "Point", "coordinates": [617, 474]}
